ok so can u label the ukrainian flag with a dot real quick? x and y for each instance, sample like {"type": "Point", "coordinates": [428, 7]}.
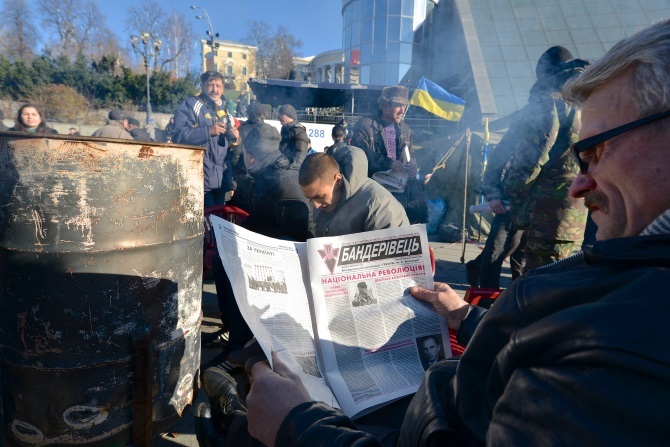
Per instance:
{"type": "Point", "coordinates": [436, 100]}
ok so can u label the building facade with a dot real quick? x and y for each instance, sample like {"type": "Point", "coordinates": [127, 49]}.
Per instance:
{"type": "Point", "coordinates": [380, 38]}
{"type": "Point", "coordinates": [234, 60]}
{"type": "Point", "coordinates": [484, 51]}
{"type": "Point", "coordinates": [328, 67]}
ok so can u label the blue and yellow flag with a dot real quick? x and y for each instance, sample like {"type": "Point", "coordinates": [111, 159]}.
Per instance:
{"type": "Point", "coordinates": [430, 96]}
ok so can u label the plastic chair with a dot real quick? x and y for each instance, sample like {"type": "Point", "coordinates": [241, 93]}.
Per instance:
{"type": "Point", "coordinates": [231, 214]}
{"type": "Point", "coordinates": [475, 296]}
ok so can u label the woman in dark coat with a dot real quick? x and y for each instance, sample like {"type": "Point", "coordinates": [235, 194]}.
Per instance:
{"type": "Point", "coordinates": [29, 118]}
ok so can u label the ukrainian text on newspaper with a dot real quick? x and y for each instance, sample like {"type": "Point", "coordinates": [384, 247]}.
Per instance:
{"type": "Point", "coordinates": [268, 283]}
{"type": "Point", "coordinates": [376, 339]}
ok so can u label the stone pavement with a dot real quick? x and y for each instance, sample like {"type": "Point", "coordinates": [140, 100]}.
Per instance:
{"type": "Point", "coordinates": [448, 268]}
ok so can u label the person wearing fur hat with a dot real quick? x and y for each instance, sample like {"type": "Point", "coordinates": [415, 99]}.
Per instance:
{"type": "Point", "coordinates": [384, 136]}
{"type": "Point", "coordinates": [117, 123]}
{"type": "Point", "coordinates": [294, 141]}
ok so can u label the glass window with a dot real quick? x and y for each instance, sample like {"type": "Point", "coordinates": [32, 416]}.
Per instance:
{"type": "Point", "coordinates": [368, 9]}
{"type": "Point", "coordinates": [380, 28]}
{"type": "Point", "coordinates": [244, 71]}
{"type": "Point", "coordinates": [229, 69]}
{"type": "Point", "coordinates": [230, 54]}
{"type": "Point", "coordinates": [393, 52]}
{"type": "Point", "coordinates": [406, 53]}
{"type": "Point", "coordinates": [404, 68]}
{"type": "Point", "coordinates": [406, 30]}
{"type": "Point", "coordinates": [379, 52]}
{"type": "Point", "coordinates": [391, 75]}
{"type": "Point", "coordinates": [347, 14]}
{"type": "Point", "coordinates": [366, 53]}
{"type": "Point", "coordinates": [377, 74]}
{"type": "Point", "coordinates": [380, 8]}
{"type": "Point", "coordinates": [356, 33]}
{"type": "Point", "coordinates": [366, 31]}
{"type": "Point", "coordinates": [365, 74]}
{"type": "Point", "coordinates": [408, 7]}
{"type": "Point", "coordinates": [394, 7]}
{"type": "Point", "coordinates": [346, 35]}
{"type": "Point", "coordinates": [355, 11]}
{"type": "Point", "coordinates": [393, 31]}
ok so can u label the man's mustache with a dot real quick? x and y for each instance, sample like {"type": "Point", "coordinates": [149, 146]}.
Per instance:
{"type": "Point", "coordinates": [596, 199]}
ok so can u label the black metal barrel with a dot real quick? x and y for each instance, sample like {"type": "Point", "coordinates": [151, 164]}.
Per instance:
{"type": "Point", "coordinates": [100, 288]}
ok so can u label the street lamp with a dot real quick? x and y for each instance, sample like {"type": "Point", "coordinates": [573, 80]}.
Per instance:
{"type": "Point", "coordinates": [150, 48]}
{"type": "Point", "coordinates": [210, 33]}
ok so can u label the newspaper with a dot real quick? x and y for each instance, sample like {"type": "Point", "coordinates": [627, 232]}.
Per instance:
{"type": "Point", "coordinates": [337, 310]}
{"type": "Point", "coordinates": [394, 181]}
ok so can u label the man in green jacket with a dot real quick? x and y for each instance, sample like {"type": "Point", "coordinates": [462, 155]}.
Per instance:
{"type": "Point", "coordinates": [541, 170]}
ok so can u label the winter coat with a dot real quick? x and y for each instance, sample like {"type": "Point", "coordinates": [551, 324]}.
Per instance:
{"type": "Point", "coordinates": [574, 353]}
{"type": "Point", "coordinates": [294, 142]}
{"type": "Point", "coordinates": [364, 204]}
{"type": "Point", "coordinates": [277, 206]}
{"type": "Point", "coordinates": [113, 129]}
{"type": "Point", "coordinates": [192, 122]}
{"type": "Point", "coordinates": [367, 134]}
{"type": "Point", "coordinates": [542, 169]}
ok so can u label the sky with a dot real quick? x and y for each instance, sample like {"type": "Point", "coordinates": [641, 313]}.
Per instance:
{"type": "Point", "coordinates": [317, 23]}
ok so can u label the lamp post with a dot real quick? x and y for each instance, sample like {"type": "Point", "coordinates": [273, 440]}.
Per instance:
{"type": "Point", "coordinates": [210, 33]}
{"type": "Point", "coordinates": [150, 47]}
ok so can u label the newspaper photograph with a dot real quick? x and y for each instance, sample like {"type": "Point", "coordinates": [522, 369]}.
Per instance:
{"type": "Point", "coordinates": [376, 339]}
{"type": "Point", "coordinates": [269, 285]}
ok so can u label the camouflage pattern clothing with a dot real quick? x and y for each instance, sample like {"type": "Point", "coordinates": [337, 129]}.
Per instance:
{"type": "Point", "coordinates": [540, 175]}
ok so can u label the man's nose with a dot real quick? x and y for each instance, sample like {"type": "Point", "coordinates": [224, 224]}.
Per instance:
{"type": "Point", "coordinates": [582, 185]}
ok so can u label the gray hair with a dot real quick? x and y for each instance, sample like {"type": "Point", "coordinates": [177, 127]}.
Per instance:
{"type": "Point", "coordinates": [647, 55]}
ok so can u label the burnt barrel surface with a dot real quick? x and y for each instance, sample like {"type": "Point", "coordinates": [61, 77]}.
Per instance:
{"type": "Point", "coordinates": [100, 287]}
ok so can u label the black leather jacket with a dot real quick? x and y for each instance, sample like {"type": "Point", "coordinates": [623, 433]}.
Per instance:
{"type": "Point", "coordinates": [367, 135]}
{"type": "Point", "coordinates": [576, 353]}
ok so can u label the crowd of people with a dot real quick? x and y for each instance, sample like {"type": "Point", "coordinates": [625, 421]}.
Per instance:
{"type": "Point", "coordinates": [569, 354]}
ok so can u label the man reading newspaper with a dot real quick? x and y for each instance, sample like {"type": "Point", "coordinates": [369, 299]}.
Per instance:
{"type": "Point", "coordinates": [574, 353]}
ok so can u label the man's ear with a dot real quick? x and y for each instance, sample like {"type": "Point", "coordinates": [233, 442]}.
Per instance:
{"type": "Point", "coordinates": [338, 178]}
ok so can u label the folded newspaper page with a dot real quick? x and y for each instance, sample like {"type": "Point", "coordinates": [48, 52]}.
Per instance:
{"type": "Point", "coordinates": [267, 279]}
{"type": "Point", "coordinates": [372, 333]}
{"type": "Point", "coordinates": [394, 181]}
{"type": "Point", "coordinates": [338, 311]}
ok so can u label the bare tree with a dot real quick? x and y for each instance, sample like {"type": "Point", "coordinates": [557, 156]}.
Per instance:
{"type": "Point", "coordinates": [174, 34]}
{"type": "Point", "coordinates": [77, 25]}
{"type": "Point", "coordinates": [177, 44]}
{"type": "Point", "coordinates": [276, 50]}
{"type": "Point", "coordinates": [19, 35]}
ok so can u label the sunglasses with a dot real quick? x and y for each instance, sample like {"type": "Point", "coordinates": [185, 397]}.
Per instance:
{"type": "Point", "coordinates": [592, 142]}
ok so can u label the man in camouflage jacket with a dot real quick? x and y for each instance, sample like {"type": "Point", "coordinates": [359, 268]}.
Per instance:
{"type": "Point", "coordinates": [542, 169]}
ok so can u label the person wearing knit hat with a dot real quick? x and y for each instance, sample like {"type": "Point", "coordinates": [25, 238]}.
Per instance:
{"type": "Point", "coordinates": [294, 141]}
{"type": "Point", "coordinates": [116, 126]}
{"type": "Point", "coordinates": [277, 208]}
{"type": "Point", "coordinates": [136, 130]}
{"type": "Point", "coordinates": [256, 117]}
{"type": "Point", "coordinates": [537, 180]}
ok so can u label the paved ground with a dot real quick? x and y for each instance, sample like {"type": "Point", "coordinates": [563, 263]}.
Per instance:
{"type": "Point", "coordinates": [448, 268]}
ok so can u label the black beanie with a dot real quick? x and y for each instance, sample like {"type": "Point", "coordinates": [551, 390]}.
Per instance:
{"type": "Point", "coordinates": [262, 140]}
{"type": "Point", "coordinates": [118, 115]}
{"type": "Point", "coordinates": [256, 112]}
{"type": "Point", "coordinates": [288, 110]}
{"type": "Point", "coordinates": [551, 60]}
